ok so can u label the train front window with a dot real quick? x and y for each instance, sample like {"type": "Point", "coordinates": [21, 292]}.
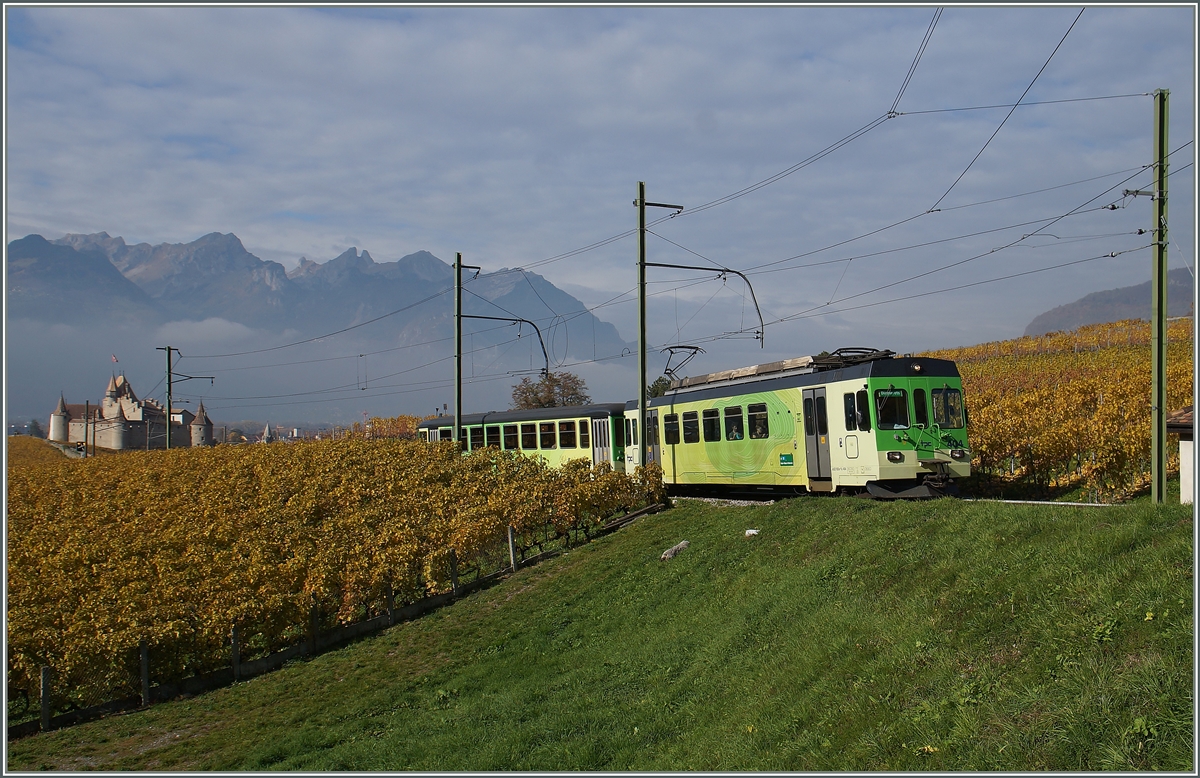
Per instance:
{"type": "Point", "coordinates": [585, 431]}
{"type": "Point", "coordinates": [671, 429]}
{"type": "Point", "coordinates": [493, 435]}
{"type": "Point", "coordinates": [759, 430]}
{"type": "Point", "coordinates": [566, 434]}
{"type": "Point", "coordinates": [712, 425]}
{"type": "Point", "coordinates": [618, 434]}
{"type": "Point", "coordinates": [546, 429]}
{"type": "Point", "coordinates": [891, 409]}
{"type": "Point", "coordinates": [528, 436]}
{"type": "Point", "coordinates": [691, 427]}
{"type": "Point", "coordinates": [948, 408]}
{"type": "Point", "coordinates": [733, 423]}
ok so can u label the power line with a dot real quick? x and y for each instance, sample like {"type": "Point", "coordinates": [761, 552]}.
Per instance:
{"type": "Point", "coordinates": [916, 60]}
{"type": "Point", "coordinates": [1010, 112]}
{"type": "Point", "coordinates": [1023, 104]}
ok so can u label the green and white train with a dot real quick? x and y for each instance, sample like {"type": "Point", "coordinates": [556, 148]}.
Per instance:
{"type": "Point", "coordinates": [857, 420]}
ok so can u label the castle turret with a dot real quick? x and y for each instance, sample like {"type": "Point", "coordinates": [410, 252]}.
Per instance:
{"type": "Point", "coordinates": [201, 428]}
{"type": "Point", "coordinates": [58, 421]}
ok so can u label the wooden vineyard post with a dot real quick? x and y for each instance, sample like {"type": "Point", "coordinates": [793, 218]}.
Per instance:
{"type": "Point", "coordinates": [391, 604]}
{"type": "Point", "coordinates": [512, 549]}
{"type": "Point", "coordinates": [45, 693]}
{"type": "Point", "coordinates": [236, 647]}
{"type": "Point", "coordinates": [144, 650]}
{"type": "Point", "coordinates": [313, 626]}
{"type": "Point", "coordinates": [454, 572]}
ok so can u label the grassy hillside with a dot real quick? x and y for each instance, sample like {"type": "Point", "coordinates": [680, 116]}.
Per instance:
{"type": "Point", "coordinates": [848, 635]}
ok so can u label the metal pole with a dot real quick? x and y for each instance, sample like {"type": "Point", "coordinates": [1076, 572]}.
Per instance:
{"type": "Point", "coordinates": [457, 346]}
{"type": "Point", "coordinates": [87, 412]}
{"type": "Point", "coordinates": [168, 349]}
{"type": "Point", "coordinates": [1158, 304]}
{"type": "Point", "coordinates": [641, 284]}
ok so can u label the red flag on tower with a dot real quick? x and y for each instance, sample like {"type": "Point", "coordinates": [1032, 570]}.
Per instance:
{"type": "Point", "coordinates": [114, 356]}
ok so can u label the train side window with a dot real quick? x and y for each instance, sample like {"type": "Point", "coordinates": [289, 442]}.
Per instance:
{"type": "Point", "coordinates": [864, 410]}
{"type": "Point", "coordinates": [712, 425]}
{"type": "Point", "coordinates": [891, 409]}
{"type": "Point", "coordinates": [822, 421]}
{"type": "Point", "coordinates": [585, 431]}
{"type": "Point", "coordinates": [691, 427]}
{"type": "Point", "coordinates": [671, 429]}
{"type": "Point", "coordinates": [733, 423]}
{"type": "Point", "coordinates": [628, 433]}
{"type": "Point", "coordinates": [948, 411]}
{"type": "Point", "coordinates": [510, 436]}
{"type": "Point", "coordinates": [810, 428]}
{"type": "Point", "coordinates": [445, 433]}
{"type": "Point", "coordinates": [528, 436]}
{"type": "Point", "coordinates": [759, 428]}
{"type": "Point", "coordinates": [652, 431]}
{"type": "Point", "coordinates": [476, 438]}
{"type": "Point", "coordinates": [546, 433]}
{"type": "Point", "coordinates": [920, 409]}
{"type": "Point", "coordinates": [493, 435]}
{"type": "Point", "coordinates": [462, 439]}
{"type": "Point", "coordinates": [566, 434]}
{"type": "Point", "coordinates": [848, 405]}
{"type": "Point", "coordinates": [634, 440]}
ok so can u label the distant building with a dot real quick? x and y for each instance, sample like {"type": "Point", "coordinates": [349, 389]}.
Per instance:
{"type": "Point", "coordinates": [121, 421]}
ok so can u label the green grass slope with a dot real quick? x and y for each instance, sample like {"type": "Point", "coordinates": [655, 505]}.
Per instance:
{"type": "Point", "coordinates": [848, 635]}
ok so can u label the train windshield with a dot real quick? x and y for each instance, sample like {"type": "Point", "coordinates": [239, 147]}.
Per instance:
{"type": "Point", "coordinates": [947, 408]}
{"type": "Point", "coordinates": [891, 409]}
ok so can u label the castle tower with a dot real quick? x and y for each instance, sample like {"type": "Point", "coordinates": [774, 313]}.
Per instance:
{"type": "Point", "coordinates": [201, 428]}
{"type": "Point", "coordinates": [268, 436]}
{"type": "Point", "coordinates": [58, 421]}
{"type": "Point", "coordinates": [114, 431]}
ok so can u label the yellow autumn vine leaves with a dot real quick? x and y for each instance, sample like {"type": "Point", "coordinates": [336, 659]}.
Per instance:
{"type": "Point", "coordinates": [1071, 408]}
{"type": "Point", "coordinates": [174, 547]}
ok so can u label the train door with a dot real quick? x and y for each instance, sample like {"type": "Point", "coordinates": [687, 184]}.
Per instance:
{"type": "Point", "coordinates": [816, 440]}
{"type": "Point", "coordinates": [601, 445]}
{"type": "Point", "coordinates": [650, 436]}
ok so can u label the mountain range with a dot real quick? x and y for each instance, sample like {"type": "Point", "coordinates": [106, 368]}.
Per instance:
{"type": "Point", "coordinates": [97, 278]}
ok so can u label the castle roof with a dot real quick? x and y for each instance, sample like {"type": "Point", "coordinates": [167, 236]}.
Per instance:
{"type": "Point", "coordinates": [201, 419]}
{"type": "Point", "coordinates": [61, 408]}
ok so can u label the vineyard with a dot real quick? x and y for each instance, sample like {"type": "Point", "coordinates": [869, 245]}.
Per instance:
{"type": "Point", "coordinates": [1070, 410]}
{"type": "Point", "coordinates": [174, 547]}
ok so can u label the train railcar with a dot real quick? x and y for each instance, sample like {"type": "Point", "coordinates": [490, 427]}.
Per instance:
{"type": "Point", "coordinates": [857, 420]}
{"type": "Point", "coordinates": [594, 432]}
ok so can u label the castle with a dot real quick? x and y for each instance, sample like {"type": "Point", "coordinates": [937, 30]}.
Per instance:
{"type": "Point", "coordinates": [121, 421]}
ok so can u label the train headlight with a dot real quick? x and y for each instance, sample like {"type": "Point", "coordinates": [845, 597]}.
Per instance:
{"type": "Point", "coordinates": [958, 453]}
{"type": "Point", "coordinates": [895, 456]}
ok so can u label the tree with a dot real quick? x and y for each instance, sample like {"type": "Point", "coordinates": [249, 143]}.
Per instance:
{"type": "Point", "coordinates": [659, 387]}
{"type": "Point", "coordinates": [555, 390]}
{"type": "Point", "coordinates": [35, 429]}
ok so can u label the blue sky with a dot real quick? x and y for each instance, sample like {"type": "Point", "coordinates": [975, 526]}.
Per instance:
{"type": "Point", "coordinates": [517, 134]}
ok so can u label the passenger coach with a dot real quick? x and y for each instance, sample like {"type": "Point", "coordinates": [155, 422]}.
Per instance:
{"type": "Point", "coordinates": [592, 432]}
{"type": "Point", "coordinates": [855, 420]}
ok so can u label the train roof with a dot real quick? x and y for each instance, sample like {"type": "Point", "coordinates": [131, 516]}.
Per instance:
{"type": "Point", "coordinates": [841, 365]}
{"type": "Point", "coordinates": [598, 410]}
